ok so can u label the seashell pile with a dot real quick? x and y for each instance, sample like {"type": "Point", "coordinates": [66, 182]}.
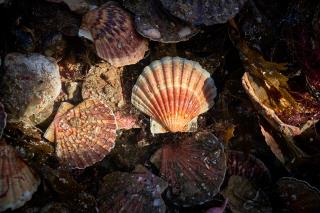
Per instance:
{"type": "Point", "coordinates": [158, 106]}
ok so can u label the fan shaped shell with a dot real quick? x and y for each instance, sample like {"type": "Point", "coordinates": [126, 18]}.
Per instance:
{"type": "Point", "coordinates": [173, 91]}
{"type": "Point", "coordinates": [194, 167]}
{"type": "Point", "coordinates": [296, 196]}
{"type": "Point", "coordinates": [17, 181]}
{"type": "Point", "coordinates": [85, 134]}
{"type": "Point", "coordinates": [248, 166]}
{"type": "Point", "coordinates": [206, 12]}
{"type": "Point", "coordinates": [114, 35]}
{"type": "Point", "coordinates": [138, 192]}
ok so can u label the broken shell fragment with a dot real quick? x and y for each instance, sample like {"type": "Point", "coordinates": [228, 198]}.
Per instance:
{"type": "Point", "coordinates": [30, 84]}
{"type": "Point", "coordinates": [3, 119]}
{"type": "Point", "coordinates": [113, 33]}
{"type": "Point", "coordinates": [194, 168]}
{"type": "Point", "coordinates": [173, 91]}
{"type": "Point", "coordinates": [206, 12]}
{"type": "Point", "coordinates": [295, 196]}
{"type": "Point", "coordinates": [292, 122]}
{"type": "Point", "coordinates": [243, 196]}
{"type": "Point", "coordinates": [154, 23]}
{"type": "Point", "coordinates": [18, 182]}
{"type": "Point", "coordinates": [84, 134]}
{"type": "Point", "coordinates": [138, 192]}
{"type": "Point", "coordinates": [248, 166]}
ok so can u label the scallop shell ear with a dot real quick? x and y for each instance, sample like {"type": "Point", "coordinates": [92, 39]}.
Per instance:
{"type": "Point", "coordinates": [173, 91]}
{"type": "Point", "coordinates": [17, 181]}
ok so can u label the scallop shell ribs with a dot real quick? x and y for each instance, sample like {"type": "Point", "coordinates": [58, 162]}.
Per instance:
{"type": "Point", "coordinates": [173, 91]}
{"type": "Point", "coordinates": [112, 30]}
{"type": "Point", "coordinates": [17, 181]}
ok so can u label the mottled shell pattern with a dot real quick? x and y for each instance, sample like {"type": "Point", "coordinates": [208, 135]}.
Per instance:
{"type": "Point", "coordinates": [17, 181]}
{"type": "Point", "coordinates": [3, 119]}
{"type": "Point", "coordinates": [114, 35]}
{"type": "Point", "coordinates": [138, 192]}
{"type": "Point", "coordinates": [173, 91]}
{"type": "Point", "coordinates": [84, 134]}
{"type": "Point", "coordinates": [194, 167]}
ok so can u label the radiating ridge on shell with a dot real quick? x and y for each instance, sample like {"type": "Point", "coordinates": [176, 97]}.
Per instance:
{"type": "Point", "coordinates": [85, 134]}
{"type": "Point", "coordinates": [18, 182]}
{"type": "Point", "coordinates": [114, 35]}
{"type": "Point", "coordinates": [173, 91]}
{"type": "Point", "coordinates": [194, 167]}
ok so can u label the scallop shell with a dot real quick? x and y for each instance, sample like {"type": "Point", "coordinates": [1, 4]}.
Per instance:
{"type": "Point", "coordinates": [17, 181]}
{"type": "Point", "coordinates": [259, 97]}
{"type": "Point", "coordinates": [206, 12]}
{"type": "Point", "coordinates": [84, 134]}
{"type": "Point", "coordinates": [112, 30]}
{"type": "Point", "coordinates": [138, 192]}
{"type": "Point", "coordinates": [29, 86]}
{"type": "Point", "coordinates": [3, 119]}
{"type": "Point", "coordinates": [296, 196]}
{"type": "Point", "coordinates": [153, 22]}
{"type": "Point", "coordinates": [194, 167]}
{"type": "Point", "coordinates": [173, 91]}
{"type": "Point", "coordinates": [248, 166]}
{"type": "Point", "coordinates": [244, 196]}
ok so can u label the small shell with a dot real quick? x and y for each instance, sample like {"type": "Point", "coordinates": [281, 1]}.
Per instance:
{"type": "Point", "coordinates": [173, 91]}
{"type": "Point", "coordinates": [103, 82]}
{"type": "Point", "coordinates": [154, 23]}
{"type": "Point", "coordinates": [206, 12]}
{"type": "Point", "coordinates": [243, 196]}
{"type": "Point", "coordinates": [259, 97]}
{"type": "Point", "coordinates": [30, 85]}
{"type": "Point", "coordinates": [114, 35]}
{"type": "Point", "coordinates": [17, 181]}
{"type": "Point", "coordinates": [139, 192]}
{"type": "Point", "coordinates": [296, 196]}
{"type": "Point", "coordinates": [84, 134]}
{"type": "Point", "coordinates": [248, 166]}
{"type": "Point", "coordinates": [194, 168]}
{"type": "Point", "coordinates": [3, 119]}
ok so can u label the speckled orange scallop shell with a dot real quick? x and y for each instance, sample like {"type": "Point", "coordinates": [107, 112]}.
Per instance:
{"type": "Point", "coordinates": [18, 182]}
{"type": "Point", "coordinates": [84, 134]}
{"type": "Point", "coordinates": [112, 29]}
{"type": "Point", "coordinates": [173, 91]}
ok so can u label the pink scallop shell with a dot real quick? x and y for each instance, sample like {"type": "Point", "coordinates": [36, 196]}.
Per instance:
{"type": "Point", "coordinates": [173, 91]}
{"type": "Point", "coordinates": [18, 182]}
{"type": "Point", "coordinates": [113, 32]}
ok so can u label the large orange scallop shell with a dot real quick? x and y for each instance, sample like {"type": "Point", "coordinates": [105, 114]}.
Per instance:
{"type": "Point", "coordinates": [113, 32]}
{"type": "Point", "coordinates": [17, 181]}
{"type": "Point", "coordinates": [173, 91]}
{"type": "Point", "coordinates": [84, 134]}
